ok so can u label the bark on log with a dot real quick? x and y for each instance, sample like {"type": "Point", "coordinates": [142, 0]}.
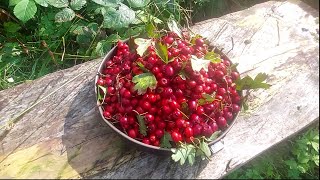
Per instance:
{"type": "Point", "coordinates": [64, 136]}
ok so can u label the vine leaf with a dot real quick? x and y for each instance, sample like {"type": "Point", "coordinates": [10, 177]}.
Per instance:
{"type": "Point", "coordinates": [143, 82]}
{"type": "Point", "coordinates": [65, 15]}
{"type": "Point", "coordinates": [143, 45]}
{"type": "Point", "coordinates": [250, 83]}
{"type": "Point", "coordinates": [162, 51]}
{"type": "Point", "coordinates": [142, 125]}
{"type": "Point", "coordinates": [165, 140]}
{"type": "Point", "coordinates": [25, 10]}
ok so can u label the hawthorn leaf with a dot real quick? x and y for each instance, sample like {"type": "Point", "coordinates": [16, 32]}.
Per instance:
{"type": "Point", "coordinates": [165, 140]}
{"type": "Point", "coordinates": [207, 98]}
{"type": "Point", "coordinates": [143, 82]}
{"type": "Point", "coordinates": [142, 125]}
{"type": "Point", "coordinates": [173, 26]}
{"type": "Point", "coordinates": [143, 45]}
{"type": "Point", "coordinates": [213, 57]}
{"type": "Point", "coordinates": [249, 83]}
{"type": "Point", "coordinates": [205, 148]}
{"type": "Point", "coordinates": [214, 136]}
{"type": "Point", "coordinates": [104, 89]}
{"type": "Point", "coordinates": [197, 64]}
{"type": "Point", "coordinates": [162, 51]}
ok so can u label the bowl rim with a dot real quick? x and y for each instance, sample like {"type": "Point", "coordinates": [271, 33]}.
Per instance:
{"type": "Point", "coordinates": [107, 57]}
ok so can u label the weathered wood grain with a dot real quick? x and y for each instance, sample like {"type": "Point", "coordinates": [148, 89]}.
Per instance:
{"type": "Point", "coordinates": [64, 136]}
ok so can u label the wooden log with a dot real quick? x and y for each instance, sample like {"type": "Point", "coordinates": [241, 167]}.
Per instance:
{"type": "Point", "coordinates": [63, 135]}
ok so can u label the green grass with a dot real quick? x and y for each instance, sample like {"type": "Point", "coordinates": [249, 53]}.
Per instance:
{"type": "Point", "coordinates": [297, 158]}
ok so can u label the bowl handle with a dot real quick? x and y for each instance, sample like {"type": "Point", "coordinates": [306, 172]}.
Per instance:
{"type": "Point", "coordinates": [216, 147]}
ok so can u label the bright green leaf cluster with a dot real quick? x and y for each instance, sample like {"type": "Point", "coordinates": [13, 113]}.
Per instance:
{"type": "Point", "coordinates": [143, 82]}
{"type": "Point", "coordinates": [256, 83]}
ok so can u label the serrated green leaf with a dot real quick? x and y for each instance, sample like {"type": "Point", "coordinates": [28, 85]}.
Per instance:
{"type": "Point", "coordinates": [213, 57]}
{"type": "Point", "coordinates": [214, 136]}
{"type": "Point", "coordinates": [261, 77]}
{"type": "Point", "coordinates": [25, 10]}
{"type": "Point", "coordinates": [315, 159]}
{"type": "Point", "coordinates": [206, 98]}
{"type": "Point", "coordinates": [198, 63]}
{"type": "Point", "coordinates": [14, 2]}
{"type": "Point", "coordinates": [113, 38]}
{"type": "Point", "coordinates": [150, 29]}
{"type": "Point", "coordinates": [141, 66]}
{"type": "Point", "coordinates": [58, 3]}
{"type": "Point", "coordinates": [118, 18]}
{"type": "Point", "coordinates": [162, 51]}
{"type": "Point", "coordinates": [138, 3]}
{"type": "Point", "coordinates": [143, 82]}
{"type": "Point", "coordinates": [77, 4]}
{"type": "Point", "coordinates": [42, 3]}
{"type": "Point", "coordinates": [100, 97]}
{"type": "Point", "coordinates": [205, 148]}
{"type": "Point", "coordinates": [192, 157]}
{"type": "Point", "coordinates": [142, 125]}
{"type": "Point", "coordinates": [11, 27]}
{"type": "Point", "coordinates": [248, 83]}
{"type": "Point", "coordinates": [179, 154]}
{"type": "Point", "coordinates": [173, 26]}
{"type": "Point", "coordinates": [65, 15]}
{"type": "Point", "coordinates": [165, 140]}
{"type": "Point", "coordinates": [108, 3]}
{"type": "Point", "coordinates": [101, 48]}
{"type": "Point", "coordinates": [143, 45]}
{"type": "Point", "coordinates": [142, 17]}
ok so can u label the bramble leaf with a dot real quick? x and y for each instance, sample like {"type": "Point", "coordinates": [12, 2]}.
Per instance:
{"type": "Point", "coordinates": [118, 18]}
{"type": "Point", "coordinates": [65, 15]}
{"type": "Point", "coordinates": [143, 82]}
{"type": "Point", "coordinates": [58, 3]}
{"type": "Point", "coordinates": [162, 51]}
{"type": "Point", "coordinates": [165, 140]}
{"type": "Point", "coordinates": [77, 4]}
{"type": "Point", "coordinates": [142, 125]}
{"type": "Point", "coordinates": [138, 3]}
{"type": "Point", "coordinates": [25, 10]}
{"type": "Point", "coordinates": [143, 45]}
{"type": "Point", "coordinates": [42, 3]}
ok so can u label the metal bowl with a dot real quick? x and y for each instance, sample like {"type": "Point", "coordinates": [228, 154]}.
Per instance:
{"type": "Point", "coordinates": [138, 144]}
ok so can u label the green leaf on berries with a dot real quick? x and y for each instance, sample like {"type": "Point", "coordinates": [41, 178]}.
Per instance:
{"type": "Point", "coordinates": [151, 30]}
{"type": "Point", "coordinates": [213, 57]}
{"type": "Point", "coordinates": [173, 26]}
{"type": "Point", "coordinates": [193, 39]}
{"type": "Point", "coordinates": [214, 136]}
{"type": "Point", "coordinates": [100, 96]}
{"type": "Point", "coordinates": [197, 64]}
{"type": "Point", "coordinates": [165, 140]}
{"type": "Point", "coordinates": [205, 148]}
{"type": "Point", "coordinates": [141, 66]}
{"type": "Point", "coordinates": [142, 125]}
{"type": "Point", "coordinates": [143, 45]}
{"type": "Point", "coordinates": [183, 75]}
{"type": "Point", "coordinates": [162, 51]}
{"type": "Point", "coordinates": [143, 82]}
{"type": "Point", "coordinates": [207, 98]}
{"type": "Point", "coordinates": [249, 83]}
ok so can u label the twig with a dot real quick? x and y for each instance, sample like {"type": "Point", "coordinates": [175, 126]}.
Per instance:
{"type": "Point", "coordinates": [64, 48]}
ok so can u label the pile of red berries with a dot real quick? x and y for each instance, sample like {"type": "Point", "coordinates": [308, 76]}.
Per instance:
{"type": "Point", "coordinates": [184, 103]}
